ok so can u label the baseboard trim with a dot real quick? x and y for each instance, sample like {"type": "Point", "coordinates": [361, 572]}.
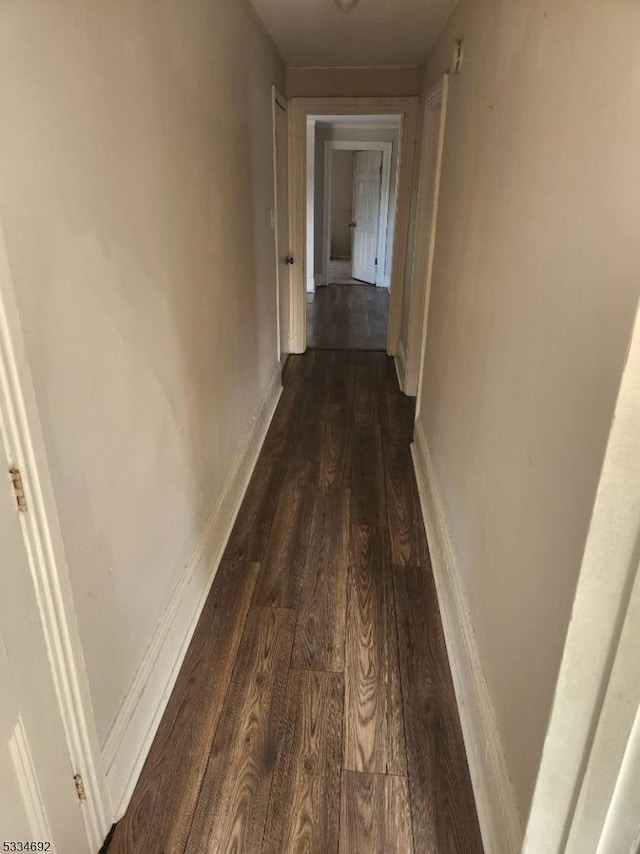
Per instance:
{"type": "Point", "coordinates": [400, 361]}
{"type": "Point", "coordinates": [311, 284]}
{"type": "Point", "coordinates": [495, 800]}
{"type": "Point", "coordinates": [138, 718]}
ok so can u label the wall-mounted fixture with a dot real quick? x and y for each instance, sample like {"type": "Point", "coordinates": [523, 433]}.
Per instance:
{"type": "Point", "coordinates": [458, 56]}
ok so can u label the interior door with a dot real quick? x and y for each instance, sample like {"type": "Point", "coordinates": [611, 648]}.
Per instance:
{"type": "Point", "coordinates": [607, 815]}
{"type": "Point", "coordinates": [367, 183]}
{"type": "Point", "coordinates": [38, 797]}
{"type": "Point", "coordinates": [282, 220]}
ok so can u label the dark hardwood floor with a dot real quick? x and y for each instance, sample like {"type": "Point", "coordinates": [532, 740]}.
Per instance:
{"type": "Point", "coordinates": [348, 317]}
{"type": "Point", "coordinates": [315, 711]}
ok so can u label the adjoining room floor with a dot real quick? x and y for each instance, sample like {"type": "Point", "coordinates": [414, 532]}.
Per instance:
{"type": "Point", "coordinates": [348, 317]}
{"type": "Point", "coordinates": [315, 709]}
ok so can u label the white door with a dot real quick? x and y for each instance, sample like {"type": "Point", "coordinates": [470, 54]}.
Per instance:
{"type": "Point", "coordinates": [367, 183]}
{"type": "Point", "coordinates": [587, 795]}
{"type": "Point", "coordinates": [38, 797]}
{"type": "Point", "coordinates": [282, 219]}
{"type": "Point", "coordinates": [607, 815]}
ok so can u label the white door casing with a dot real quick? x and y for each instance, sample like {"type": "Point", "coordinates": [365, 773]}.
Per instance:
{"type": "Point", "coordinates": [386, 201]}
{"type": "Point", "coordinates": [299, 111]}
{"type": "Point", "coordinates": [587, 799]}
{"type": "Point", "coordinates": [367, 182]}
{"type": "Point", "coordinates": [424, 241]}
{"type": "Point", "coordinates": [281, 216]}
{"type": "Point", "coordinates": [38, 799]}
{"type": "Point", "coordinates": [42, 656]}
{"type": "Point", "coordinates": [310, 266]}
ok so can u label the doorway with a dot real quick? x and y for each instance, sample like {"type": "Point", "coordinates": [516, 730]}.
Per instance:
{"type": "Point", "coordinates": [424, 240]}
{"type": "Point", "coordinates": [351, 213]}
{"type": "Point", "coordinates": [358, 211]}
{"type": "Point", "coordinates": [322, 287]}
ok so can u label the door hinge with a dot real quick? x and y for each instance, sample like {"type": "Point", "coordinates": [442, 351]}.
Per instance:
{"type": "Point", "coordinates": [376, 262]}
{"type": "Point", "coordinates": [18, 489]}
{"type": "Point", "coordinates": [82, 797]}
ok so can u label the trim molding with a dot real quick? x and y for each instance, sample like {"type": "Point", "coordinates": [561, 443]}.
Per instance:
{"type": "Point", "coordinates": [331, 145]}
{"type": "Point", "coordinates": [311, 284]}
{"type": "Point", "coordinates": [278, 102]}
{"type": "Point", "coordinates": [299, 111]}
{"type": "Point", "coordinates": [495, 800]}
{"type": "Point", "coordinates": [45, 553]}
{"type": "Point", "coordinates": [138, 718]}
{"type": "Point", "coordinates": [425, 227]}
{"type": "Point", "coordinates": [400, 361]}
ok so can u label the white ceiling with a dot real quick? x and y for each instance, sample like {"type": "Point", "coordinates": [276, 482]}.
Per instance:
{"type": "Point", "coordinates": [377, 32]}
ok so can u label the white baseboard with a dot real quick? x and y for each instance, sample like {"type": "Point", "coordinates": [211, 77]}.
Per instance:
{"type": "Point", "coordinates": [311, 284]}
{"type": "Point", "coordinates": [495, 800]}
{"type": "Point", "coordinates": [400, 361]}
{"type": "Point", "coordinates": [138, 718]}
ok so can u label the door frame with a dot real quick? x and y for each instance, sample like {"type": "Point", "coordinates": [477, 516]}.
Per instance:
{"type": "Point", "coordinates": [299, 110]}
{"type": "Point", "coordinates": [596, 653]}
{"type": "Point", "coordinates": [427, 210]}
{"type": "Point", "coordinates": [44, 547]}
{"type": "Point", "coordinates": [330, 146]}
{"type": "Point", "coordinates": [278, 101]}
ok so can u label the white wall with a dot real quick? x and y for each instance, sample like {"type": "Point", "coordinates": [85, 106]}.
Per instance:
{"type": "Point", "coordinates": [534, 285]}
{"type": "Point", "coordinates": [137, 183]}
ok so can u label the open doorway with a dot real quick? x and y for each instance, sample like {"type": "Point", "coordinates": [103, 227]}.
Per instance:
{"type": "Point", "coordinates": [351, 212]}
{"type": "Point", "coordinates": [358, 211]}
{"type": "Point", "coordinates": [306, 277]}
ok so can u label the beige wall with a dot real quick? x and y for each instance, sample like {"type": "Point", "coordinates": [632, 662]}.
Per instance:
{"type": "Point", "coordinates": [341, 202]}
{"type": "Point", "coordinates": [534, 286]}
{"type": "Point", "coordinates": [137, 183]}
{"type": "Point", "coordinates": [353, 82]}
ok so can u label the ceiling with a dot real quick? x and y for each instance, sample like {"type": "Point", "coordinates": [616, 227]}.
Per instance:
{"type": "Point", "coordinates": [315, 33]}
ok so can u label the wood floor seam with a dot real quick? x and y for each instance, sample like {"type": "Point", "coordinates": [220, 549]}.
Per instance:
{"type": "Point", "coordinates": [375, 773]}
{"type": "Point", "coordinates": [404, 722]}
{"type": "Point", "coordinates": [289, 671]}
{"type": "Point", "coordinates": [315, 708]}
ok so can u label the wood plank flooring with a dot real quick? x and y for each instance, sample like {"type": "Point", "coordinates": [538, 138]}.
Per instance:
{"type": "Point", "coordinates": [348, 317]}
{"type": "Point", "coordinates": [315, 711]}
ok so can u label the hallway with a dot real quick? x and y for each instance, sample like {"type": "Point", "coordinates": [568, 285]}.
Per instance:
{"type": "Point", "coordinates": [315, 708]}
{"type": "Point", "coordinates": [348, 317]}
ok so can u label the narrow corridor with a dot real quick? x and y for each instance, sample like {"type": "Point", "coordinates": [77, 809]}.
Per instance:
{"type": "Point", "coordinates": [315, 709]}
{"type": "Point", "coordinates": [348, 317]}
